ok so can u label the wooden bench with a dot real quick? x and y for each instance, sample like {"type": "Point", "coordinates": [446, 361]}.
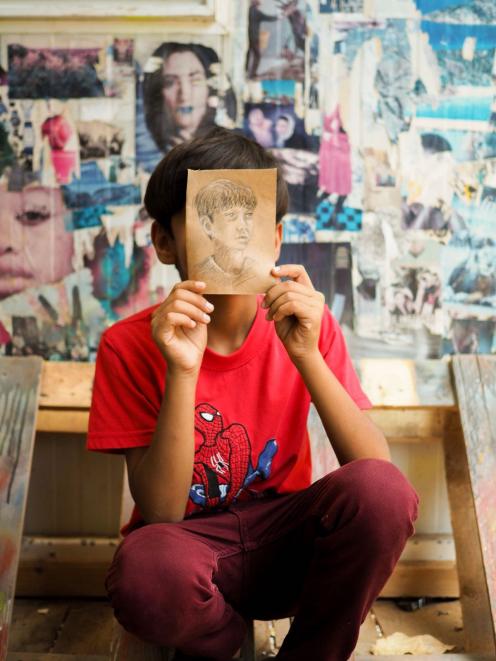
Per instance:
{"type": "Point", "coordinates": [414, 402]}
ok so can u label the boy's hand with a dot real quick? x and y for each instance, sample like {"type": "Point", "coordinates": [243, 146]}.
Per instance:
{"type": "Point", "coordinates": [297, 309]}
{"type": "Point", "coordinates": [179, 326]}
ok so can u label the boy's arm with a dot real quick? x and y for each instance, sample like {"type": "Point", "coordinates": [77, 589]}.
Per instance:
{"type": "Point", "coordinates": [297, 309]}
{"type": "Point", "coordinates": [352, 433]}
{"type": "Point", "coordinates": [160, 477]}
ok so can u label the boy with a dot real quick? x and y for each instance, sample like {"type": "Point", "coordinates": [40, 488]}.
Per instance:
{"type": "Point", "coordinates": [208, 398]}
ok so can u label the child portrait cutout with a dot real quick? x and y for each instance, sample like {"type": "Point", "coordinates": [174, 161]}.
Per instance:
{"type": "Point", "coordinates": [230, 223]}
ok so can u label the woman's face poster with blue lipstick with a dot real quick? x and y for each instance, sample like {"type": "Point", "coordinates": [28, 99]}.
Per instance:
{"type": "Point", "coordinates": [182, 90]}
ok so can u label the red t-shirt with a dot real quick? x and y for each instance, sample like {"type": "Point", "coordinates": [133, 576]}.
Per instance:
{"type": "Point", "coordinates": [251, 408]}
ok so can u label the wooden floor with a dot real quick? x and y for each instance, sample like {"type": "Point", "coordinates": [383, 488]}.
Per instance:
{"type": "Point", "coordinates": [84, 628]}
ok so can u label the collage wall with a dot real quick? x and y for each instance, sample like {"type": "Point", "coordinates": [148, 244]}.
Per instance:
{"type": "Point", "coordinates": [384, 123]}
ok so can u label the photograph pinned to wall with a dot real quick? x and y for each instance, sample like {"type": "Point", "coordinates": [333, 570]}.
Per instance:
{"type": "Point", "coordinates": [413, 296]}
{"type": "Point", "coordinates": [95, 188]}
{"type": "Point", "coordinates": [36, 244]}
{"type": "Point", "coordinates": [469, 335]}
{"type": "Point", "coordinates": [427, 167]}
{"type": "Point", "coordinates": [469, 273]}
{"type": "Point", "coordinates": [381, 182]}
{"type": "Point", "coordinates": [60, 321]}
{"type": "Point", "coordinates": [273, 125]}
{"type": "Point", "coordinates": [329, 267]}
{"type": "Point", "coordinates": [466, 144]}
{"type": "Point", "coordinates": [56, 142]}
{"type": "Point", "coordinates": [465, 53]}
{"type": "Point", "coordinates": [182, 89]}
{"type": "Point", "coordinates": [39, 72]}
{"type": "Point", "coordinates": [298, 229]}
{"type": "Point", "coordinates": [373, 247]}
{"type": "Point", "coordinates": [119, 260]}
{"type": "Point", "coordinates": [17, 140]}
{"type": "Point", "coordinates": [336, 209]}
{"type": "Point", "coordinates": [235, 210]}
{"type": "Point", "coordinates": [106, 127]}
{"type": "Point", "coordinates": [276, 39]}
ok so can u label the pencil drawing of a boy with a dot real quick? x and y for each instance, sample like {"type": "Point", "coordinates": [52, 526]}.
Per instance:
{"type": "Point", "coordinates": [225, 211]}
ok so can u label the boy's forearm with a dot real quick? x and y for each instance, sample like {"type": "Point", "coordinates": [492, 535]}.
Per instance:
{"type": "Point", "coordinates": [352, 434]}
{"type": "Point", "coordinates": [162, 479]}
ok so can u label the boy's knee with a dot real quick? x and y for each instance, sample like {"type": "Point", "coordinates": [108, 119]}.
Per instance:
{"type": "Point", "coordinates": [381, 497]}
{"type": "Point", "coordinates": [154, 582]}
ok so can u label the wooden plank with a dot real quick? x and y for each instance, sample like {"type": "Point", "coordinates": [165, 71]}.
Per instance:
{"type": "Point", "coordinates": [406, 425]}
{"type": "Point", "coordinates": [35, 624]}
{"type": "Point", "coordinates": [73, 491]}
{"type": "Point", "coordinates": [58, 567]}
{"type": "Point", "coordinates": [66, 384]}
{"type": "Point", "coordinates": [443, 620]}
{"type": "Point", "coordinates": [19, 390]}
{"type": "Point", "coordinates": [400, 383]}
{"type": "Point", "coordinates": [73, 421]}
{"type": "Point", "coordinates": [423, 579]}
{"type": "Point", "coordinates": [127, 647]}
{"type": "Point", "coordinates": [389, 383]}
{"type": "Point", "coordinates": [471, 471]}
{"type": "Point", "coordinates": [82, 573]}
{"type": "Point", "coordinates": [87, 629]}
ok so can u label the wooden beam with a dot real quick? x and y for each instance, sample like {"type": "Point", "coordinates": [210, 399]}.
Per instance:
{"type": "Point", "coordinates": [470, 459]}
{"type": "Point", "coordinates": [73, 566]}
{"type": "Point", "coordinates": [64, 566]}
{"type": "Point", "coordinates": [66, 384]}
{"type": "Point", "coordinates": [63, 420]}
{"type": "Point", "coordinates": [423, 578]}
{"type": "Point", "coordinates": [19, 391]}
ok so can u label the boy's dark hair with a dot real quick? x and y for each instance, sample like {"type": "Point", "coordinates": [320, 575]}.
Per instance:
{"type": "Point", "coordinates": [217, 149]}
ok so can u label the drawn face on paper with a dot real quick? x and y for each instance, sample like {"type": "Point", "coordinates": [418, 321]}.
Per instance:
{"type": "Point", "coordinates": [35, 247]}
{"type": "Point", "coordinates": [229, 228]}
{"type": "Point", "coordinates": [185, 89]}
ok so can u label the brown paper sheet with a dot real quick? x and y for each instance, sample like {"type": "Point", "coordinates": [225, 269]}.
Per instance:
{"type": "Point", "coordinates": [230, 229]}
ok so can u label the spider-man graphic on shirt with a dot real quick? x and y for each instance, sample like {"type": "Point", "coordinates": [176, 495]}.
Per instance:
{"type": "Point", "coordinates": [223, 466]}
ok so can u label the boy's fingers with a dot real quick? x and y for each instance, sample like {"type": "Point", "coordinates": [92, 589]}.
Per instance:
{"type": "Point", "coordinates": [191, 310]}
{"type": "Point", "coordinates": [296, 308]}
{"type": "Point", "coordinates": [194, 298]}
{"type": "Point", "coordinates": [295, 271]}
{"type": "Point", "coordinates": [282, 288]}
{"type": "Point", "coordinates": [175, 320]}
{"type": "Point", "coordinates": [307, 303]}
{"type": "Point", "coordinates": [192, 285]}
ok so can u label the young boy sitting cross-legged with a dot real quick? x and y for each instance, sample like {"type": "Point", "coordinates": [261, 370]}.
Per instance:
{"type": "Point", "coordinates": [208, 398]}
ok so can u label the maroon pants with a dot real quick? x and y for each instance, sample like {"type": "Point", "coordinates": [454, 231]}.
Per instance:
{"type": "Point", "coordinates": [321, 555]}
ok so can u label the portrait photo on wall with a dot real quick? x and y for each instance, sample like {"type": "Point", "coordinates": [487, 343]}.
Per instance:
{"type": "Point", "coordinates": [230, 225]}
{"type": "Point", "coordinates": [276, 39]}
{"type": "Point", "coordinates": [273, 125]}
{"type": "Point", "coordinates": [181, 90]}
